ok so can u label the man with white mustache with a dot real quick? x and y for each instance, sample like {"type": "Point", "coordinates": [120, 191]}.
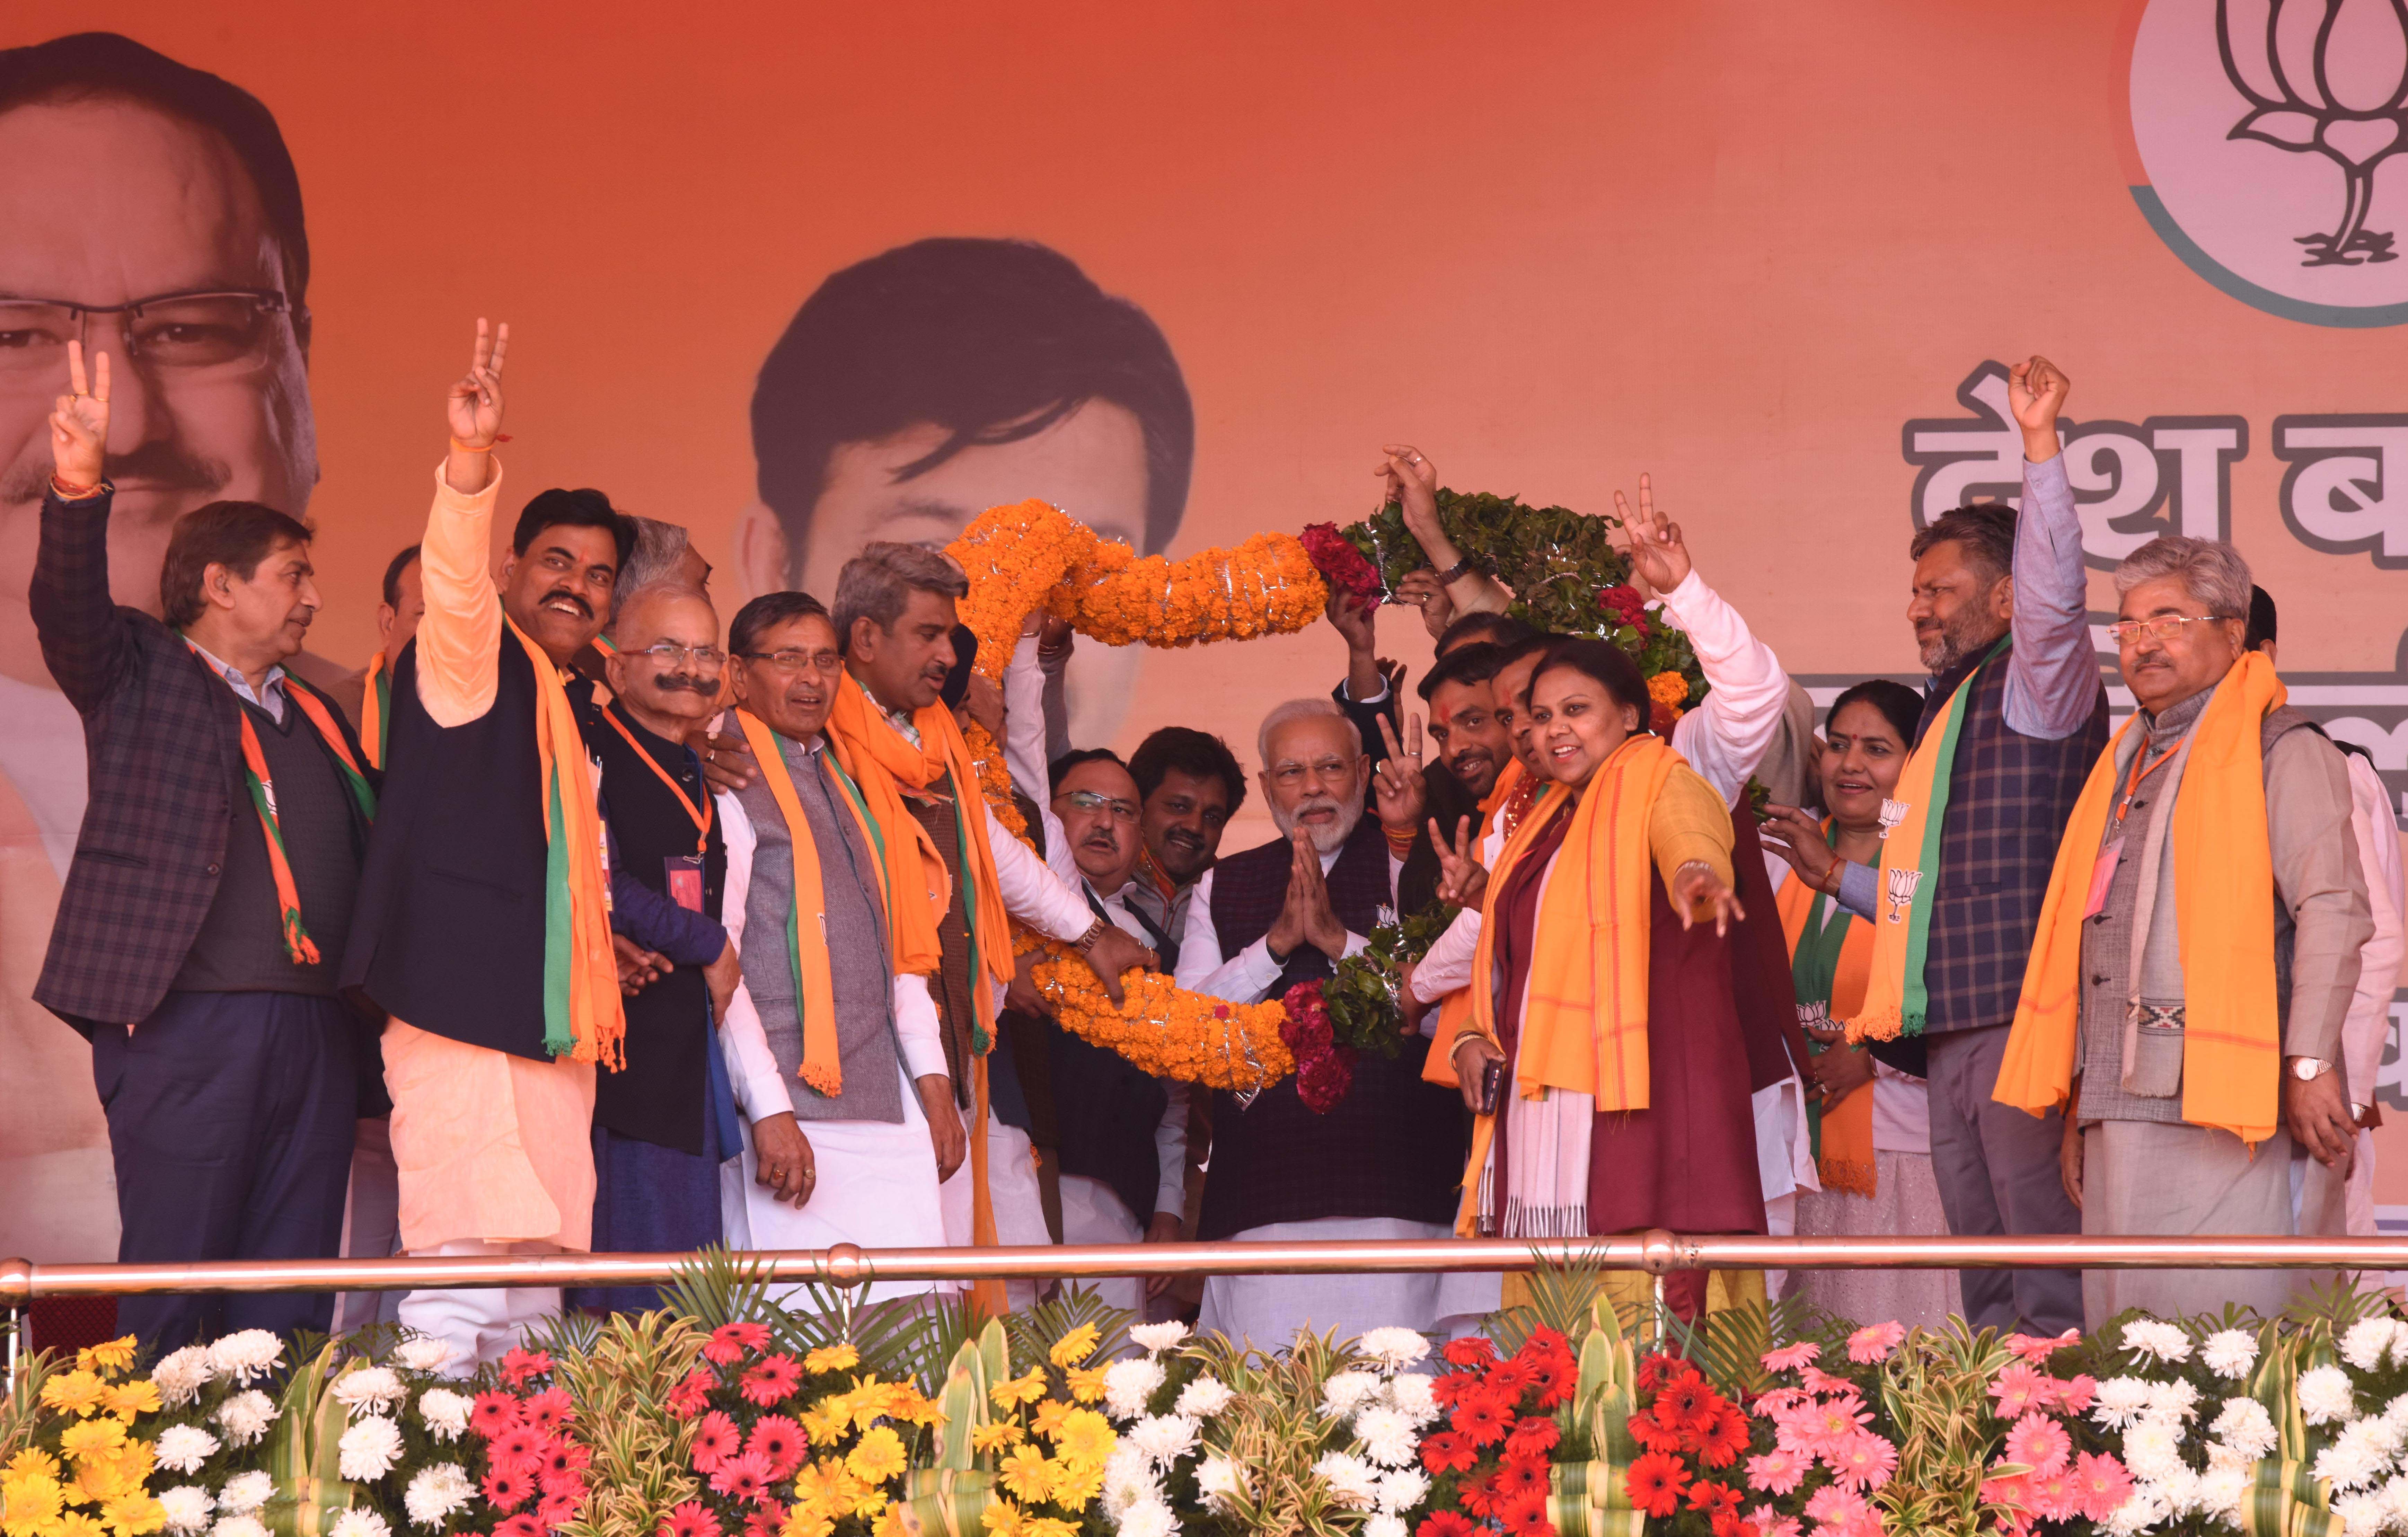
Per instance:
{"type": "Point", "coordinates": [1384, 1160]}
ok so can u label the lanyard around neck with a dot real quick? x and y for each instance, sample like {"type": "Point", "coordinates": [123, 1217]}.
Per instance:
{"type": "Point", "coordinates": [701, 818]}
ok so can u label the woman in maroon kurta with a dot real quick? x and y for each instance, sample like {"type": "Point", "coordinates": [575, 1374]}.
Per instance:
{"type": "Point", "coordinates": [1687, 1160]}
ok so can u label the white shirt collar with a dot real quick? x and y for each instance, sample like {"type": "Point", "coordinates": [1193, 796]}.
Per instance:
{"type": "Point", "coordinates": [273, 688]}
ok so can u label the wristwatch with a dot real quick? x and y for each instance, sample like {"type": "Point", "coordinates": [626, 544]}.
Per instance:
{"type": "Point", "coordinates": [2307, 1069]}
{"type": "Point", "coordinates": [1455, 572]}
{"type": "Point", "coordinates": [1085, 944]}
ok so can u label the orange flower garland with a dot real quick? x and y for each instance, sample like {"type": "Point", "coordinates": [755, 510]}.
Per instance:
{"type": "Point", "coordinates": [1032, 554]}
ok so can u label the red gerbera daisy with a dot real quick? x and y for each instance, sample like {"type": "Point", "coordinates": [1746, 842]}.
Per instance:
{"type": "Point", "coordinates": [1713, 1499]}
{"type": "Point", "coordinates": [744, 1476]}
{"type": "Point", "coordinates": [521, 1525]}
{"type": "Point", "coordinates": [1473, 1351]}
{"type": "Point", "coordinates": [1533, 1436]}
{"type": "Point", "coordinates": [1449, 1390]}
{"type": "Point", "coordinates": [562, 1458]}
{"type": "Point", "coordinates": [1508, 1379]}
{"type": "Point", "coordinates": [764, 1519]}
{"type": "Point", "coordinates": [690, 1519]}
{"type": "Point", "coordinates": [1652, 1369]}
{"type": "Point", "coordinates": [729, 1343]}
{"type": "Point", "coordinates": [1472, 1495]}
{"type": "Point", "coordinates": [691, 1395]}
{"type": "Point", "coordinates": [549, 1409]}
{"type": "Point", "coordinates": [1656, 1482]}
{"type": "Point", "coordinates": [1442, 1523]}
{"type": "Point", "coordinates": [506, 1487]}
{"type": "Point", "coordinates": [492, 1414]}
{"type": "Point", "coordinates": [519, 1365]}
{"type": "Point", "coordinates": [1514, 1479]}
{"type": "Point", "coordinates": [771, 1379]}
{"type": "Point", "coordinates": [1549, 1379]}
{"type": "Point", "coordinates": [1685, 1403]}
{"type": "Point", "coordinates": [1528, 1517]}
{"type": "Point", "coordinates": [557, 1510]}
{"type": "Point", "coordinates": [780, 1442]}
{"type": "Point", "coordinates": [1445, 1451]}
{"type": "Point", "coordinates": [1720, 1442]}
{"type": "Point", "coordinates": [1481, 1420]}
{"type": "Point", "coordinates": [715, 1440]}
{"type": "Point", "coordinates": [516, 1447]}
{"type": "Point", "coordinates": [569, 1484]}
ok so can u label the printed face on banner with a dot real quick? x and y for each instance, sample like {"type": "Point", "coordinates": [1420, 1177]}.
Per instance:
{"type": "Point", "coordinates": [107, 201]}
{"type": "Point", "coordinates": [2262, 130]}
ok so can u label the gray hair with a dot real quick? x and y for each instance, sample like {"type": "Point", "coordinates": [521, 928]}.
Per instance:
{"type": "Point", "coordinates": [2211, 570]}
{"type": "Point", "coordinates": [878, 584]}
{"type": "Point", "coordinates": [659, 551]}
{"type": "Point", "coordinates": [1321, 707]}
{"type": "Point", "coordinates": [625, 600]}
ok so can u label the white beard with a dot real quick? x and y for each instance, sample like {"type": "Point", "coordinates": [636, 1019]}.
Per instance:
{"type": "Point", "coordinates": [1327, 837]}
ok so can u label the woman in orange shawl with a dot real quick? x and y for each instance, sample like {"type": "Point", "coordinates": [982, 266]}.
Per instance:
{"type": "Point", "coordinates": [1873, 1133]}
{"type": "Point", "coordinates": [1604, 986]}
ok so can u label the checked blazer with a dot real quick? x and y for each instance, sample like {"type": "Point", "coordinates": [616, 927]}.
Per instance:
{"type": "Point", "coordinates": [163, 737]}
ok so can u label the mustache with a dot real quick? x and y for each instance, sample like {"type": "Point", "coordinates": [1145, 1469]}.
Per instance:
{"type": "Point", "coordinates": [689, 682]}
{"type": "Point", "coordinates": [167, 466]}
{"type": "Point", "coordinates": [582, 606]}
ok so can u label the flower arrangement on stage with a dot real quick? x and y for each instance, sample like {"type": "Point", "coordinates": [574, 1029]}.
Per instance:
{"type": "Point", "coordinates": [80, 1469]}
{"type": "Point", "coordinates": [1332, 1021]}
{"type": "Point", "coordinates": [1565, 576]}
{"type": "Point", "coordinates": [1032, 556]}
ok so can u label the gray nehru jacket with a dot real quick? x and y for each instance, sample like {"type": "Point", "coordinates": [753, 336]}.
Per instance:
{"type": "Point", "coordinates": [852, 926]}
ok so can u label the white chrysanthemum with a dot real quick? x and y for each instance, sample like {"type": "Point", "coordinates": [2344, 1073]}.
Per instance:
{"type": "Point", "coordinates": [371, 1387]}
{"type": "Point", "coordinates": [1128, 1479]}
{"type": "Point", "coordinates": [2229, 1352]}
{"type": "Point", "coordinates": [370, 1448]}
{"type": "Point", "coordinates": [2176, 1401]}
{"type": "Point", "coordinates": [181, 1374]}
{"type": "Point", "coordinates": [2245, 1426]}
{"type": "Point", "coordinates": [437, 1492]}
{"type": "Point", "coordinates": [1128, 1383]}
{"type": "Point", "coordinates": [1412, 1394]}
{"type": "Point", "coordinates": [1221, 1481]}
{"type": "Point", "coordinates": [1204, 1397]}
{"type": "Point", "coordinates": [248, 1354]}
{"type": "Point", "coordinates": [1351, 1481]}
{"type": "Point", "coordinates": [1165, 1438]}
{"type": "Point", "coordinates": [2221, 1490]}
{"type": "Point", "coordinates": [1345, 1392]}
{"type": "Point", "coordinates": [2119, 1402]}
{"type": "Point", "coordinates": [1387, 1436]}
{"type": "Point", "coordinates": [2143, 1509]}
{"type": "Point", "coordinates": [1383, 1524]}
{"type": "Point", "coordinates": [2151, 1451]}
{"type": "Point", "coordinates": [1155, 1338]}
{"type": "Point", "coordinates": [2325, 1395]}
{"type": "Point", "coordinates": [182, 1448]}
{"type": "Point", "coordinates": [245, 1492]}
{"type": "Point", "coordinates": [2363, 1343]}
{"type": "Point", "coordinates": [2181, 1491]}
{"type": "Point", "coordinates": [446, 1412]}
{"type": "Point", "coordinates": [1394, 1348]}
{"type": "Point", "coordinates": [423, 1352]}
{"type": "Point", "coordinates": [2360, 1514]}
{"type": "Point", "coordinates": [356, 1522]}
{"type": "Point", "coordinates": [2157, 1340]}
{"type": "Point", "coordinates": [2395, 1501]}
{"type": "Point", "coordinates": [1401, 1490]}
{"type": "Point", "coordinates": [2351, 1463]}
{"type": "Point", "coordinates": [187, 1507]}
{"type": "Point", "coordinates": [1148, 1518]}
{"type": "Point", "coordinates": [237, 1526]}
{"type": "Point", "coordinates": [246, 1416]}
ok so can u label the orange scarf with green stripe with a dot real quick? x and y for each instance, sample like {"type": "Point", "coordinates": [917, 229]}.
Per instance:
{"type": "Point", "coordinates": [376, 709]}
{"type": "Point", "coordinates": [583, 1015]}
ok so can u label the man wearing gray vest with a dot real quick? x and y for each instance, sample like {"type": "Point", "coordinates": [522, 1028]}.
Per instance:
{"type": "Point", "coordinates": [838, 1062]}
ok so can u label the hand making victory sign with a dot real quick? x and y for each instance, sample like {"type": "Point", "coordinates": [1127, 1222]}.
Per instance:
{"type": "Point", "coordinates": [1658, 556]}
{"type": "Point", "coordinates": [473, 409]}
{"type": "Point", "coordinates": [79, 426]}
{"type": "Point", "coordinates": [1462, 879]}
{"type": "Point", "coordinates": [1397, 784]}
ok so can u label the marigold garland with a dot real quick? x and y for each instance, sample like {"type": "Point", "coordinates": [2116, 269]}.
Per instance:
{"type": "Point", "coordinates": [1032, 554]}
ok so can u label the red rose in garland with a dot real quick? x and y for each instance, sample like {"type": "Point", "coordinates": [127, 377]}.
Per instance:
{"type": "Point", "coordinates": [1340, 562]}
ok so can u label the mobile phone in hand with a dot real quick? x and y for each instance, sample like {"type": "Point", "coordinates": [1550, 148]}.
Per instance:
{"type": "Point", "coordinates": [1492, 1085]}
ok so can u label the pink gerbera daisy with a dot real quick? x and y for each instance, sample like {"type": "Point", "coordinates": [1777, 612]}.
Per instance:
{"type": "Point", "coordinates": [2073, 1397]}
{"type": "Point", "coordinates": [1874, 1341]}
{"type": "Point", "coordinates": [780, 1442]}
{"type": "Point", "coordinates": [771, 1379]}
{"type": "Point", "coordinates": [730, 1343]}
{"type": "Point", "coordinates": [2101, 1484]}
{"type": "Point", "coordinates": [691, 1395]}
{"type": "Point", "coordinates": [1831, 1424]}
{"type": "Point", "coordinates": [1790, 1358]}
{"type": "Point", "coordinates": [744, 1476]}
{"type": "Point", "coordinates": [2053, 1497]}
{"type": "Point", "coordinates": [492, 1414]}
{"type": "Point", "coordinates": [1832, 1505]}
{"type": "Point", "coordinates": [522, 1525]}
{"type": "Point", "coordinates": [2019, 1389]}
{"type": "Point", "coordinates": [516, 1447]}
{"type": "Point", "coordinates": [506, 1487]}
{"type": "Point", "coordinates": [764, 1519]}
{"type": "Point", "coordinates": [550, 1409]}
{"type": "Point", "coordinates": [690, 1519]}
{"type": "Point", "coordinates": [1864, 1462]}
{"type": "Point", "coordinates": [519, 1365]}
{"type": "Point", "coordinates": [1777, 1472]}
{"type": "Point", "coordinates": [715, 1440]}
{"type": "Point", "coordinates": [2037, 1349]}
{"type": "Point", "coordinates": [1765, 1521]}
{"type": "Point", "coordinates": [557, 1509]}
{"type": "Point", "coordinates": [2040, 1444]}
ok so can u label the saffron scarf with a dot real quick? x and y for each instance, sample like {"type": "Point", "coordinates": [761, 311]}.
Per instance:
{"type": "Point", "coordinates": [1455, 1010]}
{"type": "Point", "coordinates": [2224, 911]}
{"type": "Point", "coordinates": [1895, 1002]}
{"type": "Point", "coordinates": [1834, 975]}
{"type": "Point", "coordinates": [298, 947]}
{"type": "Point", "coordinates": [814, 985]}
{"type": "Point", "coordinates": [376, 710]}
{"type": "Point", "coordinates": [1584, 1022]}
{"type": "Point", "coordinates": [884, 765]}
{"type": "Point", "coordinates": [582, 1017]}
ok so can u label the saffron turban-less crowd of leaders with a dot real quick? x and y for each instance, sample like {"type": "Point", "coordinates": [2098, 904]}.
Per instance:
{"type": "Point", "coordinates": [582, 921]}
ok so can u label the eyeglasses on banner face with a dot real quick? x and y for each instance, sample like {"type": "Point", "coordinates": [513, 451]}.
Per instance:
{"type": "Point", "coordinates": [792, 661]}
{"type": "Point", "coordinates": [2163, 626]}
{"type": "Point", "coordinates": [172, 331]}
{"type": "Point", "coordinates": [668, 654]}
{"type": "Point", "coordinates": [1092, 801]}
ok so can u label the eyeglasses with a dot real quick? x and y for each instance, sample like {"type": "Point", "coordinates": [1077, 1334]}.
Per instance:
{"type": "Point", "coordinates": [187, 331]}
{"type": "Point", "coordinates": [1290, 773]}
{"type": "Point", "coordinates": [2163, 626]}
{"type": "Point", "coordinates": [795, 661]}
{"type": "Point", "coordinates": [1091, 802]}
{"type": "Point", "coordinates": [668, 654]}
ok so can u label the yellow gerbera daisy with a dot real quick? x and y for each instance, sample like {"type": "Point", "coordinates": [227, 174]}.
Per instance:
{"type": "Point", "coordinates": [134, 1515]}
{"type": "Point", "coordinates": [33, 1462]}
{"type": "Point", "coordinates": [91, 1438]}
{"type": "Point", "coordinates": [116, 1355]}
{"type": "Point", "coordinates": [801, 1522]}
{"type": "Point", "coordinates": [1002, 1518]}
{"type": "Point", "coordinates": [30, 1502]}
{"type": "Point", "coordinates": [993, 1436]}
{"type": "Point", "coordinates": [1047, 1526]}
{"type": "Point", "coordinates": [1048, 1417]}
{"type": "Point", "coordinates": [72, 1392]}
{"type": "Point", "coordinates": [1086, 1383]}
{"type": "Point", "coordinates": [75, 1523]}
{"type": "Point", "coordinates": [1016, 1391]}
{"type": "Point", "coordinates": [1075, 1347]}
{"type": "Point", "coordinates": [890, 1522]}
{"type": "Point", "coordinates": [879, 1457]}
{"type": "Point", "coordinates": [126, 1399]}
{"type": "Point", "coordinates": [840, 1356]}
{"type": "Point", "coordinates": [1085, 1436]}
{"type": "Point", "coordinates": [1078, 1484]}
{"type": "Point", "coordinates": [1027, 1473]}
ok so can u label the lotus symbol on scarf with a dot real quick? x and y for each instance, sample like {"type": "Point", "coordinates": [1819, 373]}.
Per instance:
{"type": "Point", "coordinates": [2327, 76]}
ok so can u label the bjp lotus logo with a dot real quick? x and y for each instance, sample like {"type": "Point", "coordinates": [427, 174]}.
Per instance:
{"type": "Point", "coordinates": [2257, 133]}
